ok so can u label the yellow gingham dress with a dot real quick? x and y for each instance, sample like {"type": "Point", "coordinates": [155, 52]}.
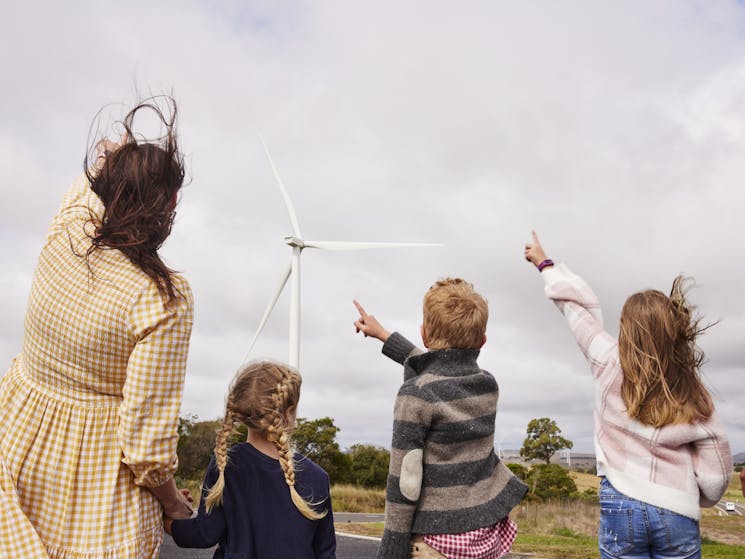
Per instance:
{"type": "Point", "coordinates": [89, 409]}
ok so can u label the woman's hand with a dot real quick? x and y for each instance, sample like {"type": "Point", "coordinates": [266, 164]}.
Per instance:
{"type": "Point", "coordinates": [176, 503]}
{"type": "Point", "coordinates": [534, 251]}
{"type": "Point", "coordinates": [369, 325]}
{"type": "Point", "coordinates": [168, 519]}
{"type": "Point", "coordinates": [103, 148]}
{"type": "Point", "coordinates": [180, 507]}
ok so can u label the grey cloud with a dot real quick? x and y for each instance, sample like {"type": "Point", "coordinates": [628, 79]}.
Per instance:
{"type": "Point", "coordinates": [613, 129]}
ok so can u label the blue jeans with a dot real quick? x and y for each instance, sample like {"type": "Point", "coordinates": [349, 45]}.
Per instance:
{"type": "Point", "coordinates": [632, 529]}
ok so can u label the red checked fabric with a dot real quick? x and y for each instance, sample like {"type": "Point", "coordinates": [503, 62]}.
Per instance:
{"type": "Point", "coordinates": [491, 542]}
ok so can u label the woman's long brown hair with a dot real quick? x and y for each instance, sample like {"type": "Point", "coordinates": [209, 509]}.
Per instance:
{"type": "Point", "coordinates": [660, 360]}
{"type": "Point", "coordinates": [138, 184]}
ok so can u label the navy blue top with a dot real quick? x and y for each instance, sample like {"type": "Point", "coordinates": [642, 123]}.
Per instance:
{"type": "Point", "coordinates": [257, 518]}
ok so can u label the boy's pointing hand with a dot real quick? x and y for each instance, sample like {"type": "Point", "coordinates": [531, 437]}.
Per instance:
{"type": "Point", "coordinates": [369, 325]}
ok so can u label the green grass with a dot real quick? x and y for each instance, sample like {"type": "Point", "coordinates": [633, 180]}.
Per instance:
{"type": "Point", "coordinates": [550, 546]}
{"type": "Point", "coordinates": [717, 550]}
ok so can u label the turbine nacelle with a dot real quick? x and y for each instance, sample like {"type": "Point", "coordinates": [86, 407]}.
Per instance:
{"type": "Point", "coordinates": [294, 241]}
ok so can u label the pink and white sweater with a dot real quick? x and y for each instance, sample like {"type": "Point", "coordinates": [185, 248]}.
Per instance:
{"type": "Point", "coordinates": [679, 467]}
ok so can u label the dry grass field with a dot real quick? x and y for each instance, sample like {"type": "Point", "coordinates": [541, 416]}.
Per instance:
{"type": "Point", "coordinates": [585, 481]}
{"type": "Point", "coordinates": [350, 498]}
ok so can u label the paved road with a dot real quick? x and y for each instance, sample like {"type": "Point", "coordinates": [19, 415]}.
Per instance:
{"type": "Point", "coordinates": [739, 509]}
{"type": "Point", "coordinates": [341, 517]}
{"type": "Point", "coordinates": [346, 548]}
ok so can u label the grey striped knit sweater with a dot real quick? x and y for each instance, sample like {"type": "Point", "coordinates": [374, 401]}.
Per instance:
{"type": "Point", "coordinates": [444, 476]}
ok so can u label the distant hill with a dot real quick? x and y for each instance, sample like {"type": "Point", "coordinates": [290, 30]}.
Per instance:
{"type": "Point", "coordinates": [739, 458]}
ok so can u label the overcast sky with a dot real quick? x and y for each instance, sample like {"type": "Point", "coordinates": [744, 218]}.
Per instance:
{"type": "Point", "coordinates": [615, 129]}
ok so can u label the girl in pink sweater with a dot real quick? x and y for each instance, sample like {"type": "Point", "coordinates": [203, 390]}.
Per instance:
{"type": "Point", "coordinates": [661, 451]}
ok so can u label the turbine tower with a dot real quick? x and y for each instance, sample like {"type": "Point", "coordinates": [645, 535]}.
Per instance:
{"type": "Point", "coordinates": [298, 243]}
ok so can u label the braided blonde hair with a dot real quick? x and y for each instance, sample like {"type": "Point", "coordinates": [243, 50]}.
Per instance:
{"type": "Point", "coordinates": [259, 397]}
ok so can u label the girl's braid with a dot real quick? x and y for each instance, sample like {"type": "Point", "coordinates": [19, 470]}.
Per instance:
{"type": "Point", "coordinates": [278, 430]}
{"type": "Point", "coordinates": [214, 496]}
{"type": "Point", "coordinates": [277, 434]}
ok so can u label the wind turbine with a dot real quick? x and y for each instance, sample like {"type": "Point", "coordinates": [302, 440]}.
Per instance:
{"type": "Point", "coordinates": [298, 243]}
{"type": "Point", "coordinates": [568, 456]}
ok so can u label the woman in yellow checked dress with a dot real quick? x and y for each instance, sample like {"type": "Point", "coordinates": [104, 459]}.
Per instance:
{"type": "Point", "coordinates": [89, 408]}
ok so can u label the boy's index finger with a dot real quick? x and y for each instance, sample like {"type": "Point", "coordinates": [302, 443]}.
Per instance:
{"type": "Point", "coordinates": [362, 312]}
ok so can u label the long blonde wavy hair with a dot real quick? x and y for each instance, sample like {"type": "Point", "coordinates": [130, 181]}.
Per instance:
{"type": "Point", "coordinates": [660, 360]}
{"type": "Point", "coordinates": [260, 396]}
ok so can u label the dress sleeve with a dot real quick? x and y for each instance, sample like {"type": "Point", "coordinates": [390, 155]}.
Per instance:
{"type": "Point", "coordinates": [151, 397]}
{"type": "Point", "coordinates": [581, 308]}
{"type": "Point", "coordinates": [78, 202]}
{"type": "Point", "coordinates": [712, 462]}
{"type": "Point", "coordinates": [412, 419]}
{"type": "Point", "coordinates": [204, 530]}
{"type": "Point", "coordinates": [324, 539]}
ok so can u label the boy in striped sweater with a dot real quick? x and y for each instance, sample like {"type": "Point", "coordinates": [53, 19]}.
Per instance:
{"type": "Point", "coordinates": [447, 495]}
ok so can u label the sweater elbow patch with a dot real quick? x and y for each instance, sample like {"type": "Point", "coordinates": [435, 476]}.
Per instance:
{"type": "Point", "coordinates": [410, 481]}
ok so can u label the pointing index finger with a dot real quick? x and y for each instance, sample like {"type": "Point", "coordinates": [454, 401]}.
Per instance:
{"type": "Point", "coordinates": [362, 312]}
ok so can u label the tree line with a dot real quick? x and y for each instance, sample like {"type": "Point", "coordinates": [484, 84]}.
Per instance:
{"type": "Point", "coordinates": [366, 465]}
{"type": "Point", "coordinates": [362, 464]}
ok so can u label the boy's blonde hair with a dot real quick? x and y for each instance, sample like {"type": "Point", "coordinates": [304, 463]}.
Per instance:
{"type": "Point", "coordinates": [660, 360]}
{"type": "Point", "coordinates": [259, 397]}
{"type": "Point", "coordinates": [455, 315]}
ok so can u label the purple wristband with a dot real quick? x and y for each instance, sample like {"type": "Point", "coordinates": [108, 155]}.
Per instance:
{"type": "Point", "coordinates": [545, 264]}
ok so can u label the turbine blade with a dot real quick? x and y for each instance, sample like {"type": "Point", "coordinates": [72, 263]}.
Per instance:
{"type": "Point", "coordinates": [268, 310]}
{"type": "Point", "coordinates": [283, 190]}
{"type": "Point", "coordinates": [347, 245]}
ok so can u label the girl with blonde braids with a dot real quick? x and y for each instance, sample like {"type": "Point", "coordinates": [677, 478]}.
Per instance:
{"type": "Point", "coordinates": [661, 451]}
{"type": "Point", "coordinates": [259, 499]}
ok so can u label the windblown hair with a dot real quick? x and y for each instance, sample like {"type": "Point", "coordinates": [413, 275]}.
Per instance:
{"type": "Point", "coordinates": [259, 397]}
{"type": "Point", "coordinates": [455, 315]}
{"type": "Point", "coordinates": [660, 360]}
{"type": "Point", "coordinates": [138, 184]}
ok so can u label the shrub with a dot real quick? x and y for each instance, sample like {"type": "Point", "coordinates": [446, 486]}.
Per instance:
{"type": "Point", "coordinates": [369, 465]}
{"type": "Point", "coordinates": [550, 481]}
{"type": "Point", "coordinates": [519, 470]}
